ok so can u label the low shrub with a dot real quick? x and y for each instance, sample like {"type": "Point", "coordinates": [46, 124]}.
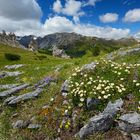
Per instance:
{"type": "Point", "coordinates": [12, 57]}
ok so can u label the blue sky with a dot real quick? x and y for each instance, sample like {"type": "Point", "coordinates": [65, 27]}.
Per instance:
{"type": "Point", "coordinates": [101, 18]}
{"type": "Point", "coordinates": [121, 7]}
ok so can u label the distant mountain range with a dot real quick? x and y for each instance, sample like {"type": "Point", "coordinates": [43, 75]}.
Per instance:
{"type": "Point", "coordinates": [73, 44]}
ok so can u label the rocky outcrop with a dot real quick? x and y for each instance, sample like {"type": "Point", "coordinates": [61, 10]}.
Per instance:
{"type": "Point", "coordinates": [17, 99]}
{"type": "Point", "coordinates": [13, 90]}
{"type": "Point", "coordinates": [8, 86]}
{"type": "Point", "coordinates": [33, 45]}
{"type": "Point", "coordinates": [59, 53]}
{"type": "Point", "coordinates": [103, 121]}
{"type": "Point", "coordinates": [121, 53]}
{"type": "Point", "coordinates": [16, 66]}
{"type": "Point", "coordinates": [130, 122]}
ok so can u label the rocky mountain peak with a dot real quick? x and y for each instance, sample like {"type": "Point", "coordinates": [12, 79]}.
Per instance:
{"type": "Point", "coordinates": [9, 39]}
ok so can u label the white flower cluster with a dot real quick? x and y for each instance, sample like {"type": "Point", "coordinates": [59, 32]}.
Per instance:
{"type": "Point", "coordinates": [108, 81]}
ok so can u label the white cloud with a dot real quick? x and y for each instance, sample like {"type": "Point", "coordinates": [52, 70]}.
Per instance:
{"type": "Point", "coordinates": [21, 17]}
{"type": "Point", "coordinates": [57, 6]}
{"type": "Point", "coordinates": [132, 15]}
{"type": "Point", "coordinates": [109, 17]}
{"type": "Point", "coordinates": [92, 2]}
{"type": "Point", "coordinates": [57, 24]}
{"type": "Point", "coordinates": [62, 24]}
{"type": "Point", "coordinates": [20, 9]}
{"type": "Point", "coordinates": [71, 8]}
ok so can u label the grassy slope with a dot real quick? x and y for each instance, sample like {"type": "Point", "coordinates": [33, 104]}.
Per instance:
{"type": "Point", "coordinates": [31, 75]}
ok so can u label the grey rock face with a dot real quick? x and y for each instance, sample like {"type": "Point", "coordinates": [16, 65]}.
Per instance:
{"type": "Point", "coordinates": [20, 124]}
{"type": "Point", "coordinates": [101, 122]}
{"type": "Point", "coordinates": [33, 45]}
{"type": "Point", "coordinates": [135, 137]}
{"type": "Point", "coordinates": [9, 39]}
{"type": "Point", "coordinates": [34, 126]}
{"type": "Point", "coordinates": [130, 122]}
{"type": "Point", "coordinates": [91, 103]}
{"type": "Point", "coordinates": [16, 66]}
{"type": "Point", "coordinates": [25, 97]}
{"type": "Point", "coordinates": [90, 66]}
{"type": "Point", "coordinates": [13, 90]}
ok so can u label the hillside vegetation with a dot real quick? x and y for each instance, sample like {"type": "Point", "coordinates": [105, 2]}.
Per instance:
{"type": "Point", "coordinates": [62, 114]}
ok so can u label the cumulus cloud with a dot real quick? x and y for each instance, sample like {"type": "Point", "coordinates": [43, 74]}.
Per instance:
{"type": "Point", "coordinates": [71, 7]}
{"type": "Point", "coordinates": [21, 17]}
{"type": "Point", "coordinates": [57, 6]}
{"type": "Point", "coordinates": [20, 9]}
{"type": "Point", "coordinates": [109, 17]}
{"type": "Point", "coordinates": [132, 15]}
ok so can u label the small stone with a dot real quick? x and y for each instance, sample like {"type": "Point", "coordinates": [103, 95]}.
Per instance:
{"type": "Point", "coordinates": [14, 115]}
{"type": "Point", "coordinates": [130, 97]}
{"type": "Point", "coordinates": [91, 103]}
{"type": "Point", "coordinates": [34, 126]}
{"type": "Point", "coordinates": [20, 124]}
